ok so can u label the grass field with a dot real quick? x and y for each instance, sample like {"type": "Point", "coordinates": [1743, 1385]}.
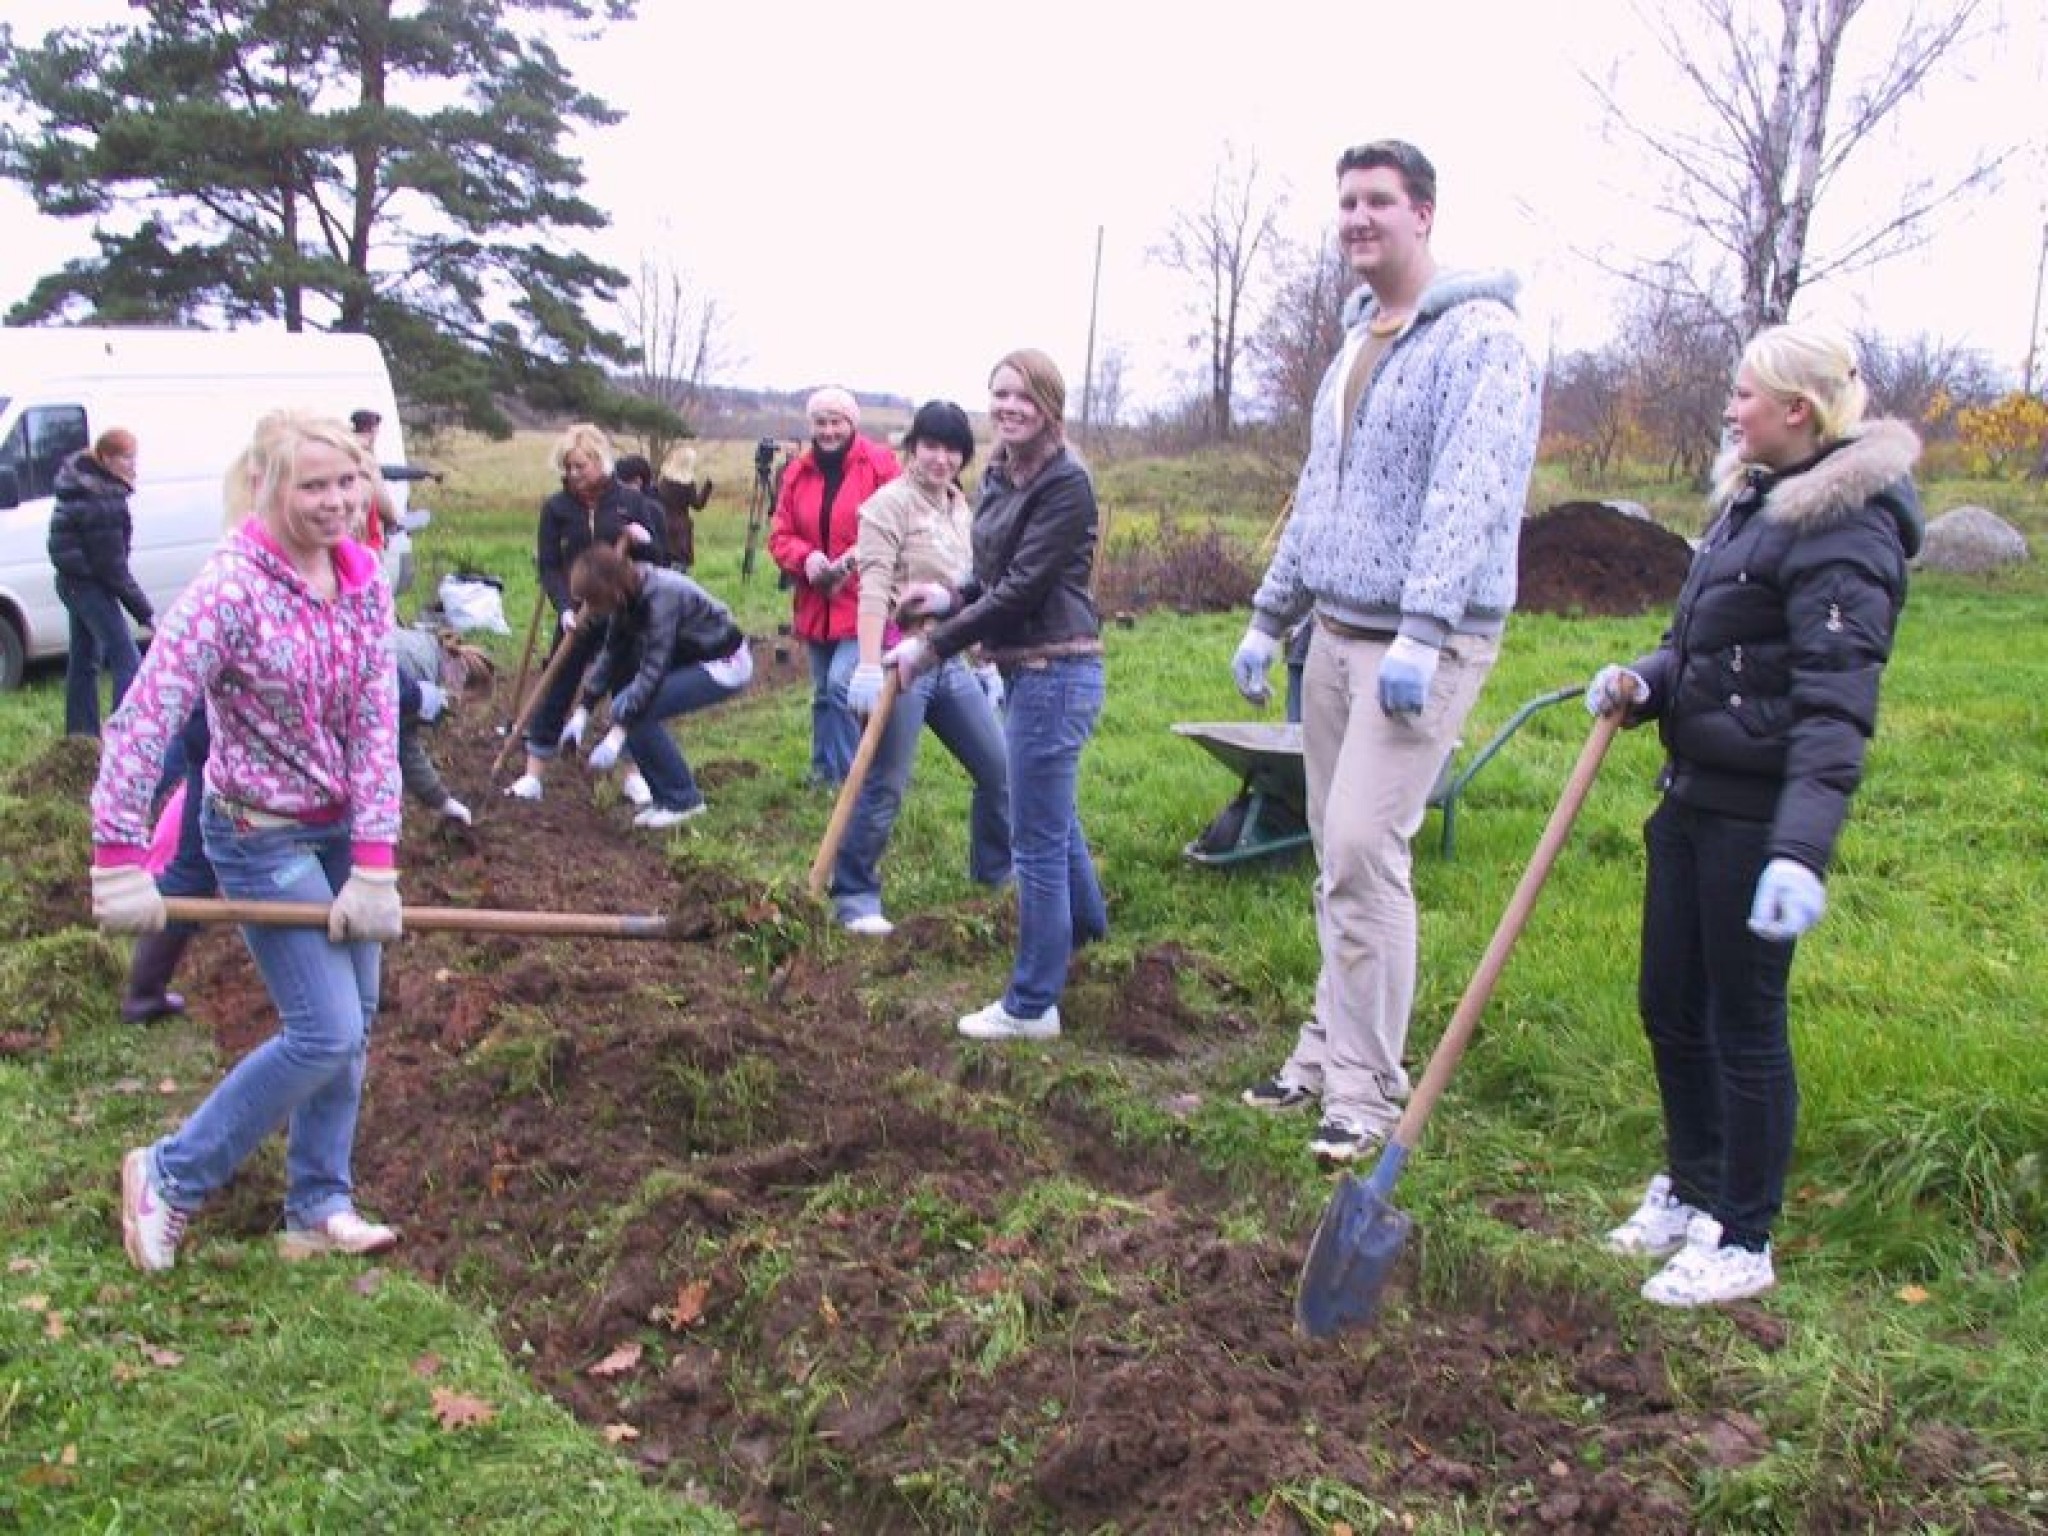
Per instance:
{"type": "Point", "coordinates": [1913, 1295]}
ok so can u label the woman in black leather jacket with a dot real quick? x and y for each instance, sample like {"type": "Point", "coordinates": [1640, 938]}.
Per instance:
{"type": "Point", "coordinates": [1765, 693]}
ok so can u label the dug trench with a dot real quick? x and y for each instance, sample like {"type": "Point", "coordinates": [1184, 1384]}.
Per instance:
{"type": "Point", "coordinates": [838, 1268]}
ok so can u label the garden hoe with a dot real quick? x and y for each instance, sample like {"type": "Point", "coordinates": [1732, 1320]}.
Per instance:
{"type": "Point", "coordinates": [1361, 1233]}
{"type": "Point", "coordinates": [546, 925]}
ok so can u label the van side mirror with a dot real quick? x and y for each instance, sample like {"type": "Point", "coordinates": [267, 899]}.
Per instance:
{"type": "Point", "coordinates": [10, 490]}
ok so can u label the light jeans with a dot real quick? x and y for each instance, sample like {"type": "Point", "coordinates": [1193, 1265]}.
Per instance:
{"type": "Point", "coordinates": [1051, 713]}
{"type": "Point", "coordinates": [953, 704]}
{"type": "Point", "coordinates": [835, 730]}
{"type": "Point", "coordinates": [1369, 777]}
{"type": "Point", "coordinates": [309, 1075]}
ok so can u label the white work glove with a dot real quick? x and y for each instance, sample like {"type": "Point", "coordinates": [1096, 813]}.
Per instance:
{"type": "Point", "coordinates": [367, 910]}
{"type": "Point", "coordinates": [568, 621]}
{"type": "Point", "coordinates": [1249, 666]}
{"type": "Point", "coordinates": [638, 534]}
{"type": "Point", "coordinates": [125, 899]}
{"type": "Point", "coordinates": [911, 658]}
{"type": "Point", "coordinates": [817, 568]}
{"type": "Point", "coordinates": [1789, 900]}
{"type": "Point", "coordinates": [864, 688]}
{"type": "Point", "coordinates": [605, 755]}
{"type": "Point", "coordinates": [573, 728]}
{"type": "Point", "coordinates": [990, 676]}
{"type": "Point", "coordinates": [924, 600]}
{"type": "Point", "coordinates": [1616, 690]}
{"type": "Point", "coordinates": [455, 810]}
{"type": "Point", "coordinates": [433, 699]}
{"type": "Point", "coordinates": [1405, 673]}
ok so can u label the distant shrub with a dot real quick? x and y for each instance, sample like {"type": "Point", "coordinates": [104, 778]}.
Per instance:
{"type": "Point", "coordinates": [1190, 570]}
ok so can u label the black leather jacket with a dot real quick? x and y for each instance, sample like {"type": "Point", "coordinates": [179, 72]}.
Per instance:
{"type": "Point", "coordinates": [1034, 551]}
{"type": "Point", "coordinates": [1765, 687]}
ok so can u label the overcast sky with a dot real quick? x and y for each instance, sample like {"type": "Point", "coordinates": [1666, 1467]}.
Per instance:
{"type": "Point", "coordinates": [892, 196]}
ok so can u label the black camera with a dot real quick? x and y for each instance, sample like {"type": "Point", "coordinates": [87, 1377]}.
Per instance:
{"type": "Point", "coordinates": [764, 455]}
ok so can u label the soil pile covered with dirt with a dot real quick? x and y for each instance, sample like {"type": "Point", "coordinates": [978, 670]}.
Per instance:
{"type": "Point", "coordinates": [1588, 558]}
{"type": "Point", "coordinates": [743, 1200]}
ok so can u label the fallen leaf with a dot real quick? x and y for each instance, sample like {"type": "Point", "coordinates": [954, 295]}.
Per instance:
{"type": "Point", "coordinates": [123, 1371]}
{"type": "Point", "coordinates": [167, 1085]}
{"type": "Point", "coordinates": [68, 1457]}
{"type": "Point", "coordinates": [459, 1410]}
{"type": "Point", "coordinates": [688, 1311]}
{"type": "Point", "coordinates": [427, 1365]}
{"type": "Point", "coordinates": [47, 1476]}
{"type": "Point", "coordinates": [1912, 1295]}
{"type": "Point", "coordinates": [618, 1362]}
{"type": "Point", "coordinates": [23, 1266]}
{"type": "Point", "coordinates": [616, 1434]}
{"type": "Point", "coordinates": [158, 1356]}
{"type": "Point", "coordinates": [828, 1312]}
{"type": "Point", "coordinates": [985, 1282]}
{"type": "Point", "coordinates": [53, 1325]}
{"type": "Point", "coordinates": [34, 1303]}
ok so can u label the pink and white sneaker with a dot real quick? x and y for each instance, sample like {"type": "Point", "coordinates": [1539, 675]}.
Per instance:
{"type": "Point", "coordinates": [343, 1232]}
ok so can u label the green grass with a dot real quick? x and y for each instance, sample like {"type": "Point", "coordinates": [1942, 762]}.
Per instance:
{"type": "Point", "coordinates": [239, 1394]}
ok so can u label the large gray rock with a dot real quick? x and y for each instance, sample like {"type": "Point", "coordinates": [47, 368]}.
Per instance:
{"type": "Point", "coordinates": [1972, 539]}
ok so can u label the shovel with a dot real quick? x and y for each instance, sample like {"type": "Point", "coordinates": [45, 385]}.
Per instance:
{"type": "Point", "coordinates": [550, 925]}
{"type": "Point", "coordinates": [1360, 1234]}
{"type": "Point", "coordinates": [856, 775]}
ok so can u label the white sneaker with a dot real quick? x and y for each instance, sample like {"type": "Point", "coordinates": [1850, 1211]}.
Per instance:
{"type": "Point", "coordinates": [343, 1232]}
{"type": "Point", "coordinates": [635, 789]}
{"type": "Point", "coordinates": [150, 1228]}
{"type": "Point", "coordinates": [1705, 1272]}
{"type": "Point", "coordinates": [657, 817]}
{"type": "Point", "coordinates": [871, 924]}
{"type": "Point", "coordinates": [995, 1022]}
{"type": "Point", "coordinates": [525, 787]}
{"type": "Point", "coordinates": [1657, 1226]}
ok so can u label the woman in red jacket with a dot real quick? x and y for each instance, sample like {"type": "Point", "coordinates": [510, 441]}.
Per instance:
{"type": "Point", "coordinates": [817, 517]}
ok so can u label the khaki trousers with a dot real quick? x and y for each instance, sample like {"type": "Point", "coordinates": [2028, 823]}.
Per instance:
{"type": "Point", "coordinates": [1369, 778]}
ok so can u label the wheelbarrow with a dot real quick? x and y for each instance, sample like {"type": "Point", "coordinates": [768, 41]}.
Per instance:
{"type": "Point", "coordinates": [1269, 816]}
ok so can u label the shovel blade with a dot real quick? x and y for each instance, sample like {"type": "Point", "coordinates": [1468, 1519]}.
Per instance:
{"type": "Point", "coordinates": [1350, 1259]}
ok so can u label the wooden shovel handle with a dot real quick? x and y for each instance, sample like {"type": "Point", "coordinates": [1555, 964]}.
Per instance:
{"type": "Point", "coordinates": [1479, 990]}
{"type": "Point", "coordinates": [849, 792]}
{"type": "Point", "coordinates": [532, 702]}
{"type": "Point", "coordinates": [313, 914]}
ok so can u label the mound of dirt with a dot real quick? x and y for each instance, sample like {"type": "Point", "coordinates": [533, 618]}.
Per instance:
{"type": "Point", "coordinates": [1589, 558]}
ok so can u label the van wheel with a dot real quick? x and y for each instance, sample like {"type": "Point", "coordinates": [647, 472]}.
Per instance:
{"type": "Point", "coordinates": [13, 655]}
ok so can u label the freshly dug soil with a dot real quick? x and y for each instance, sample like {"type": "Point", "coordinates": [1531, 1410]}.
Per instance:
{"type": "Point", "coordinates": [1587, 558]}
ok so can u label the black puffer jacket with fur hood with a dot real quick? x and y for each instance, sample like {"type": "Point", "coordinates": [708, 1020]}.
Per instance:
{"type": "Point", "coordinates": [1765, 687]}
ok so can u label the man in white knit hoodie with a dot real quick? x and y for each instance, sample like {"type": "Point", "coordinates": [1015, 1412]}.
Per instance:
{"type": "Point", "coordinates": [1402, 546]}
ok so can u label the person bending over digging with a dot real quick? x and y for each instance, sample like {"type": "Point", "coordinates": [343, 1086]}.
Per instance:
{"type": "Point", "coordinates": [1764, 691]}
{"type": "Point", "coordinates": [284, 638]}
{"type": "Point", "coordinates": [434, 669]}
{"type": "Point", "coordinates": [671, 648]}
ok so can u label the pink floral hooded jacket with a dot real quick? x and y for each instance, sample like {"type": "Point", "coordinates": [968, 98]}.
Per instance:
{"type": "Point", "coordinates": [301, 696]}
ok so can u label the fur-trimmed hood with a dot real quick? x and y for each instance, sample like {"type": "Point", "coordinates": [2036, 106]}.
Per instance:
{"type": "Point", "coordinates": [1445, 290]}
{"type": "Point", "coordinates": [1873, 461]}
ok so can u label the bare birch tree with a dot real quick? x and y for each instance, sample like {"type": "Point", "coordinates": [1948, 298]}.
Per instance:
{"type": "Point", "coordinates": [1221, 247]}
{"type": "Point", "coordinates": [679, 337]}
{"type": "Point", "coordinates": [1783, 118]}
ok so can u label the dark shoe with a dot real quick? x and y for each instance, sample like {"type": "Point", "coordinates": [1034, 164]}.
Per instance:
{"type": "Point", "coordinates": [1276, 1093]}
{"type": "Point", "coordinates": [149, 995]}
{"type": "Point", "coordinates": [1340, 1141]}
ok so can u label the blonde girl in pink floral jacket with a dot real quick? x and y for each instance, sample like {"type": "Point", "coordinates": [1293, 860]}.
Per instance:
{"type": "Point", "coordinates": [283, 638]}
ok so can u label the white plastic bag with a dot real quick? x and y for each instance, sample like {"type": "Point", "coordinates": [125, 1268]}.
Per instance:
{"type": "Point", "coordinates": [470, 600]}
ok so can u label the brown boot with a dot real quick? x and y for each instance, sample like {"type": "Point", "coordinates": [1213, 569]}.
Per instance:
{"type": "Point", "coordinates": [149, 995]}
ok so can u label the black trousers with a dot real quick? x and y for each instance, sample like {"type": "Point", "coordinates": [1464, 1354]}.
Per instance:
{"type": "Point", "coordinates": [1712, 996]}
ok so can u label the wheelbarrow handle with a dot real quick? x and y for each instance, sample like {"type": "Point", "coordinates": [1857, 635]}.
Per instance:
{"type": "Point", "coordinates": [313, 914]}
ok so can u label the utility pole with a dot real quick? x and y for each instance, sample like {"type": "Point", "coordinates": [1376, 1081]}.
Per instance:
{"type": "Point", "coordinates": [1088, 367]}
{"type": "Point", "coordinates": [2034, 327]}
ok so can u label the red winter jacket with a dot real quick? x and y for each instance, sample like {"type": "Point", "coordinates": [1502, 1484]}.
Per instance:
{"type": "Point", "coordinates": [796, 532]}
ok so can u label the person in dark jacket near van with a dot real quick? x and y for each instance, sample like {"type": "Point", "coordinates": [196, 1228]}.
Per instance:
{"type": "Point", "coordinates": [1764, 691]}
{"type": "Point", "coordinates": [670, 649]}
{"type": "Point", "coordinates": [1028, 605]}
{"type": "Point", "coordinates": [91, 533]}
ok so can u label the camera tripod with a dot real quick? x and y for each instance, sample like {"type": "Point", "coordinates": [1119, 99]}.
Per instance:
{"type": "Point", "coordinates": [761, 503]}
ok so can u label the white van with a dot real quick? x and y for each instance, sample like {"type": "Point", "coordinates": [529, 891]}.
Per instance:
{"type": "Point", "coordinates": [191, 398]}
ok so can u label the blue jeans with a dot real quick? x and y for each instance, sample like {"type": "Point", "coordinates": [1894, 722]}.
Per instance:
{"type": "Point", "coordinates": [951, 702]}
{"type": "Point", "coordinates": [188, 873]}
{"type": "Point", "coordinates": [684, 691]}
{"type": "Point", "coordinates": [1712, 996]}
{"type": "Point", "coordinates": [309, 1075]}
{"type": "Point", "coordinates": [1052, 712]}
{"type": "Point", "coordinates": [551, 710]}
{"type": "Point", "coordinates": [835, 732]}
{"type": "Point", "coordinates": [99, 635]}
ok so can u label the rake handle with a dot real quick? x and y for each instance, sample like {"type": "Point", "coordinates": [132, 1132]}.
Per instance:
{"type": "Point", "coordinates": [313, 914]}
{"type": "Point", "coordinates": [1479, 990]}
